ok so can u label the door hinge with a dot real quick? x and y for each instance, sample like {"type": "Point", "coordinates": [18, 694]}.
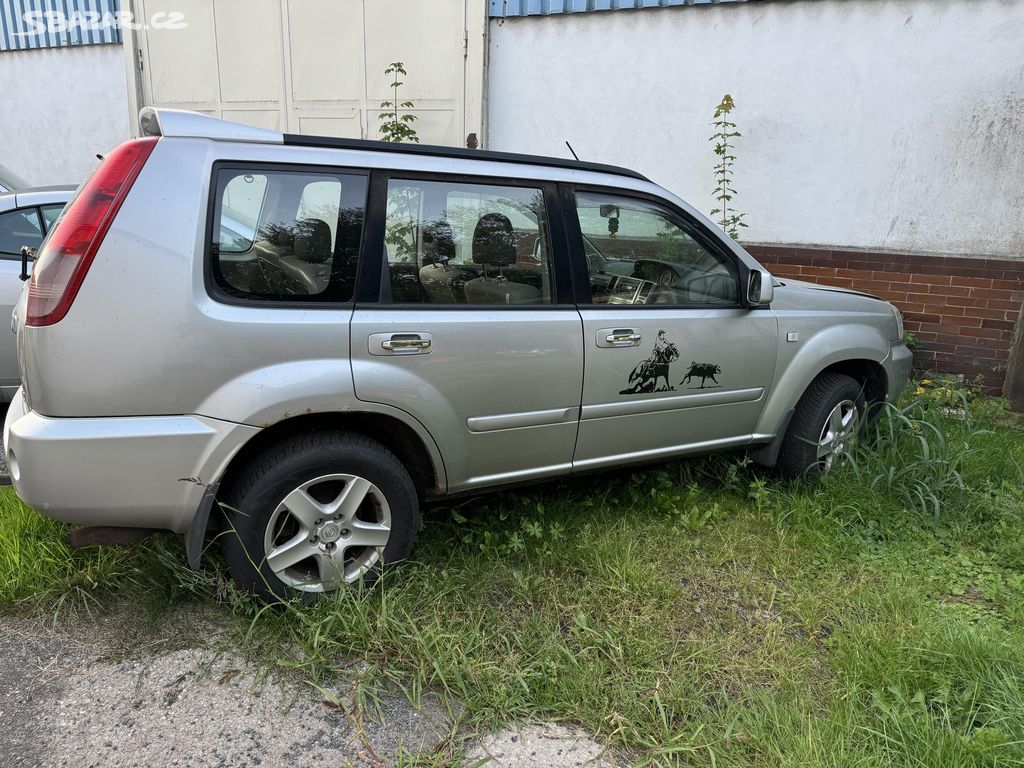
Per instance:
{"type": "Point", "coordinates": [465, 43]}
{"type": "Point", "coordinates": [138, 54]}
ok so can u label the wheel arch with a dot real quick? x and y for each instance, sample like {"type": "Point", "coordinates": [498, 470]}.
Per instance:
{"type": "Point", "coordinates": [866, 371]}
{"type": "Point", "coordinates": [869, 374]}
{"type": "Point", "coordinates": [414, 448]}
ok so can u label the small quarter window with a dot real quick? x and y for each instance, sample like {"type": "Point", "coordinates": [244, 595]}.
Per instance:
{"type": "Point", "coordinates": [287, 236]}
{"type": "Point", "coordinates": [50, 215]}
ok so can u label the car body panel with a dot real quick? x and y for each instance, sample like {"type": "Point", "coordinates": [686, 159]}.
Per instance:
{"type": "Point", "coordinates": [620, 419]}
{"type": "Point", "coordinates": [864, 331]}
{"type": "Point", "coordinates": [500, 388]}
{"type": "Point", "coordinates": [145, 472]}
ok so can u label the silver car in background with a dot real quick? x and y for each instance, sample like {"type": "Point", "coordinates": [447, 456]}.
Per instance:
{"type": "Point", "coordinates": [299, 340]}
{"type": "Point", "coordinates": [25, 218]}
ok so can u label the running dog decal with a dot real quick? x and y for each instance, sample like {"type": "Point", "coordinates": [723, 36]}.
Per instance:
{"type": "Point", "coordinates": [705, 371]}
{"type": "Point", "coordinates": [647, 373]}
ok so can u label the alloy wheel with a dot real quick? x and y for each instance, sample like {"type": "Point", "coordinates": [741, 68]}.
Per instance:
{"type": "Point", "coordinates": [328, 532]}
{"type": "Point", "coordinates": [838, 434]}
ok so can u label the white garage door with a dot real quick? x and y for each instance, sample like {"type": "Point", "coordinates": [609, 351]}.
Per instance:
{"type": "Point", "coordinates": [317, 66]}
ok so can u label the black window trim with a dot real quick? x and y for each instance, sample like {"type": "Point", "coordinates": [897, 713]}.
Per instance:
{"type": "Point", "coordinates": [371, 291]}
{"type": "Point", "coordinates": [218, 294]}
{"type": "Point", "coordinates": [8, 255]}
{"type": "Point", "coordinates": [704, 237]}
{"type": "Point", "coordinates": [42, 217]}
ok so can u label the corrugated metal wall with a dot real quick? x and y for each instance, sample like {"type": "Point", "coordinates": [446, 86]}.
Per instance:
{"type": "Point", "coordinates": [501, 8]}
{"type": "Point", "coordinates": [26, 24]}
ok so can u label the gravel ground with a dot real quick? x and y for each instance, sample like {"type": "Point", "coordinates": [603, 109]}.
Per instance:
{"type": "Point", "coordinates": [118, 693]}
{"type": "Point", "coordinates": [541, 745]}
{"type": "Point", "coordinates": [68, 701]}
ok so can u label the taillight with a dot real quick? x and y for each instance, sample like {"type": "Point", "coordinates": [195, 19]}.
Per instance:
{"type": "Point", "coordinates": [68, 252]}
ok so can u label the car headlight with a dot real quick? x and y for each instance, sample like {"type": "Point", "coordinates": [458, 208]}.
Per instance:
{"type": "Point", "coordinates": [899, 323]}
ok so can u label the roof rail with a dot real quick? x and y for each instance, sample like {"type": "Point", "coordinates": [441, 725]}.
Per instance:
{"type": "Point", "coordinates": [182, 123]}
{"type": "Point", "coordinates": [368, 145]}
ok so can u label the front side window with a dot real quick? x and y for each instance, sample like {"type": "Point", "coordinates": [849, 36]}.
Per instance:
{"type": "Point", "coordinates": [287, 235]}
{"type": "Point", "coordinates": [640, 253]}
{"type": "Point", "coordinates": [455, 243]}
{"type": "Point", "coordinates": [18, 228]}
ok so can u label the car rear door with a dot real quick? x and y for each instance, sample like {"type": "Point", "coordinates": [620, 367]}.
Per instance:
{"type": "Point", "coordinates": [674, 363]}
{"type": "Point", "coordinates": [466, 321]}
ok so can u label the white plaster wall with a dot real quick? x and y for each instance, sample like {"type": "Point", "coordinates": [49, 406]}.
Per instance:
{"type": "Point", "coordinates": [58, 108]}
{"type": "Point", "coordinates": [889, 124]}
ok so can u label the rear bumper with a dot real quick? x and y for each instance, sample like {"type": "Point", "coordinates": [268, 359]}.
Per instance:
{"type": "Point", "coordinates": [898, 367]}
{"type": "Point", "coordinates": [147, 472]}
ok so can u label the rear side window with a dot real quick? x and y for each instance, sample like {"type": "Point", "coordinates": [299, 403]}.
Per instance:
{"type": "Point", "coordinates": [289, 236]}
{"type": "Point", "coordinates": [462, 243]}
{"type": "Point", "coordinates": [18, 228]}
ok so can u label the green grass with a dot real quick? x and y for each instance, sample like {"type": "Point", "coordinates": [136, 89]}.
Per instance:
{"type": "Point", "coordinates": [695, 613]}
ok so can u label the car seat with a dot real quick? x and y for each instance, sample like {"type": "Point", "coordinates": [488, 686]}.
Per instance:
{"type": "Point", "coordinates": [443, 283]}
{"type": "Point", "coordinates": [494, 246]}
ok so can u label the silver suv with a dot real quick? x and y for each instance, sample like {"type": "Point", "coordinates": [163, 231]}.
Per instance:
{"type": "Point", "coordinates": [319, 334]}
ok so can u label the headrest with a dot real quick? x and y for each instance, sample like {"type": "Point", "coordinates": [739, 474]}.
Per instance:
{"type": "Point", "coordinates": [494, 244]}
{"type": "Point", "coordinates": [313, 240]}
{"type": "Point", "coordinates": [350, 231]}
{"type": "Point", "coordinates": [438, 242]}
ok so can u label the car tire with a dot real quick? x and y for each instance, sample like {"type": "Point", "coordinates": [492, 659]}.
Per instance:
{"type": "Point", "coordinates": [826, 422]}
{"type": "Point", "coordinates": [318, 512]}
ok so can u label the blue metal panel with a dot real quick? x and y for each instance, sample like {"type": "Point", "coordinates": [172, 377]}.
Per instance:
{"type": "Point", "coordinates": [27, 24]}
{"type": "Point", "coordinates": [502, 8]}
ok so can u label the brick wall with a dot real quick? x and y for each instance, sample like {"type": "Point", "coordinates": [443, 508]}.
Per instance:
{"type": "Point", "coordinates": [963, 309]}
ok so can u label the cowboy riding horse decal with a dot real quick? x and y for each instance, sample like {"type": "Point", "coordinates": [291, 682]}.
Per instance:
{"type": "Point", "coordinates": [647, 373]}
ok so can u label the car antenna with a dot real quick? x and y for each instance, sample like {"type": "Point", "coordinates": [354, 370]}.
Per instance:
{"type": "Point", "coordinates": [572, 150]}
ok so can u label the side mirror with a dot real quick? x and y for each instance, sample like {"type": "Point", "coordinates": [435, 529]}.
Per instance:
{"type": "Point", "coordinates": [760, 289]}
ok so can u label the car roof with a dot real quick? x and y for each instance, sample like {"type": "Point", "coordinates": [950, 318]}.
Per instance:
{"type": "Point", "coordinates": [36, 196]}
{"type": "Point", "coordinates": [182, 123]}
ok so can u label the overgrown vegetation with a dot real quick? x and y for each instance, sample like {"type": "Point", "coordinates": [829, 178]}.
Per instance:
{"type": "Point", "coordinates": [724, 137]}
{"type": "Point", "coordinates": [396, 126]}
{"type": "Point", "coordinates": [693, 613]}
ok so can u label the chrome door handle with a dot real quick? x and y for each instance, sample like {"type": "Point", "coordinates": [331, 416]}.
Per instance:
{"type": "Point", "coordinates": [623, 338]}
{"type": "Point", "coordinates": [395, 345]}
{"type": "Point", "coordinates": [618, 337]}
{"type": "Point", "coordinates": [400, 343]}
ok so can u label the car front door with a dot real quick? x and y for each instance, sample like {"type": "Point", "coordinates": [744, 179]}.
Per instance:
{"type": "Point", "coordinates": [467, 324]}
{"type": "Point", "coordinates": [674, 363]}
